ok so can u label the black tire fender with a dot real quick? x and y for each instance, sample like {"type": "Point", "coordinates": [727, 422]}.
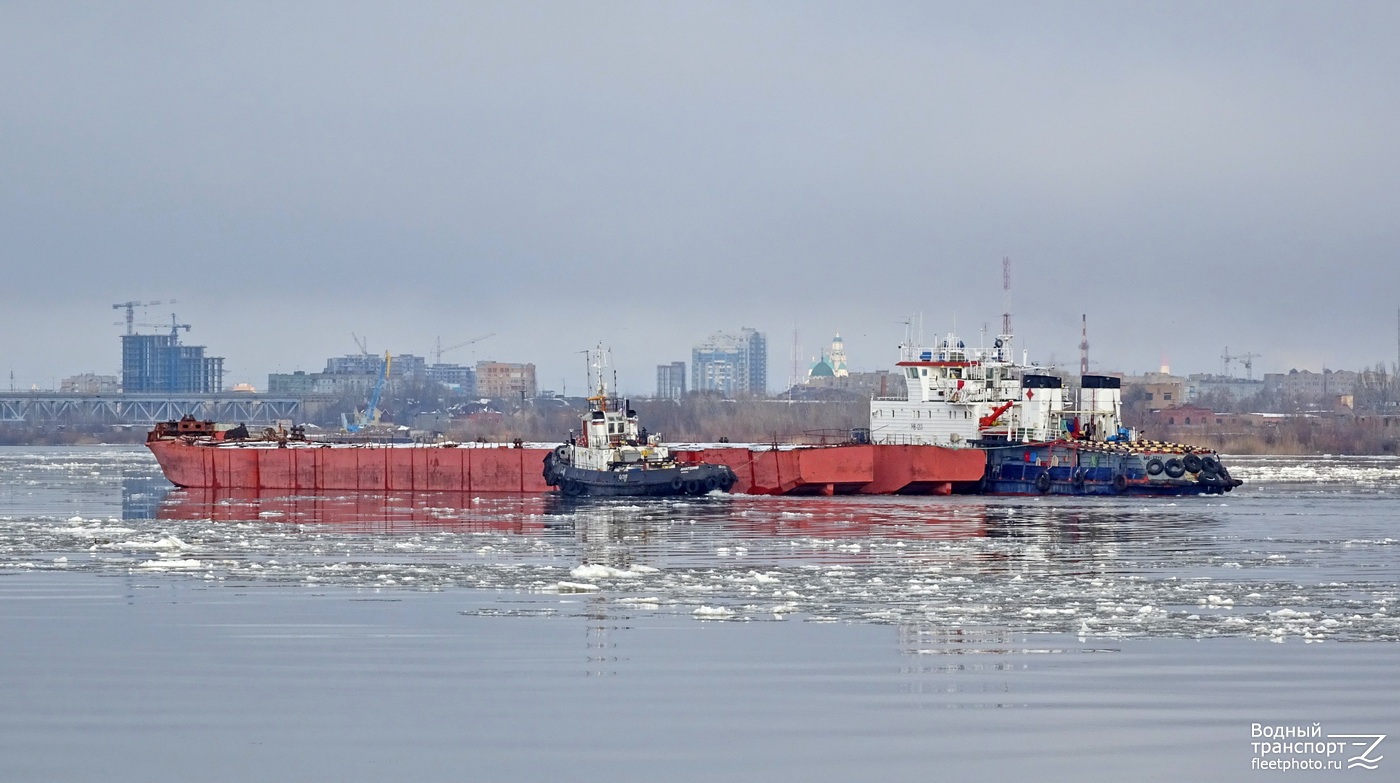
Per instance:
{"type": "Point", "coordinates": [1120, 483]}
{"type": "Point", "coordinates": [1042, 482]}
{"type": "Point", "coordinates": [1175, 469]}
{"type": "Point", "coordinates": [1155, 467]}
{"type": "Point", "coordinates": [1192, 463]}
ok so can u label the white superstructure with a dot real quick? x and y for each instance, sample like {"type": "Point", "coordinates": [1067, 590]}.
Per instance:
{"type": "Point", "coordinates": [610, 436]}
{"type": "Point", "coordinates": [964, 397]}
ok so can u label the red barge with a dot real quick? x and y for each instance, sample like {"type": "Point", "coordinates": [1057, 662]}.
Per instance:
{"type": "Point", "coordinates": [199, 454]}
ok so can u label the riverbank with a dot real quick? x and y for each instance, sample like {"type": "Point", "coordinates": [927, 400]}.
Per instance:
{"type": "Point", "coordinates": [707, 419]}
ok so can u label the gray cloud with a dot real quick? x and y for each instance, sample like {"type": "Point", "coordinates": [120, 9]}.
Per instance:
{"type": "Point", "coordinates": [1192, 176]}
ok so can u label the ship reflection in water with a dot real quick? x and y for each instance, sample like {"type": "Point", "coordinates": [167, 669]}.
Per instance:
{"type": "Point", "coordinates": [746, 517]}
{"type": "Point", "coordinates": [955, 574]}
{"type": "Point", "coordinates": [795, 553]}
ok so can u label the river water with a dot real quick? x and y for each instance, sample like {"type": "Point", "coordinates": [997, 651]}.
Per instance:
{"type": "Point", "coordinates": [156, 634]}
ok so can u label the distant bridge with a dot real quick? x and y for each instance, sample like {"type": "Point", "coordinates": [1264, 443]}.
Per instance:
{"type": "Point", "coordinates": [54, 408]}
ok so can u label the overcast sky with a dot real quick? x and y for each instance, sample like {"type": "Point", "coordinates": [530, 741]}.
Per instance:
{"type": "Point", "coordinates": [1191, 176]}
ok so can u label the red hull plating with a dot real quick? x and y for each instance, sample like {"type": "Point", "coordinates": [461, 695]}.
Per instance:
{"type": "Point", "coordinates": [820, 470]}
{"type": "Point", "coordinates": [846, 470]}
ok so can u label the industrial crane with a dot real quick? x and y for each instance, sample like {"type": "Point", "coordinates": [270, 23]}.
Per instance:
{"type": "Point", "coordinates": [1247, 359]}
{"type": "Point", "coordinates": [439, 351]}
{"type": "Point", "coordinates": [130, 308]}
{"type": "Point", "coordinates": [362, 343]}
{"type": "Point", "coordinates": [175, 327]}
{"type": "Point", "coordinates": [371, 412]}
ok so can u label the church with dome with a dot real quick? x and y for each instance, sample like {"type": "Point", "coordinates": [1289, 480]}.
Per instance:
{"type": "Point", "coordinates": [832, 363]}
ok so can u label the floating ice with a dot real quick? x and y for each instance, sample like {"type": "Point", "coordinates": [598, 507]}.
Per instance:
{"type": "Point", "coordinates": [164, 565]}
{"type": "Point", "coordinates": [608, 572]}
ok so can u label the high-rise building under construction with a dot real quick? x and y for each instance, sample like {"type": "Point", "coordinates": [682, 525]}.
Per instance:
{"type": "Point", "coordinates": [159, 364]}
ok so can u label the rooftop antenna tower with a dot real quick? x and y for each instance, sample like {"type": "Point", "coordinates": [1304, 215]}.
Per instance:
{"type": "Point", "coordinates": [793, 378]}
{"type": "Point", "coordinates": [1006, 296]}
{"type": "Point", "coordinates": [1084, 344]}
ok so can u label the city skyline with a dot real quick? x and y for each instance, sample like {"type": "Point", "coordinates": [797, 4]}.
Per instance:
{"type": "Point", "coordinates": [339, 364]}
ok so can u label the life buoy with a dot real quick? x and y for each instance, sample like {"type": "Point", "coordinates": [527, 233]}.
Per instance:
{"type": "Point", "coordinates": [1155, 467]}
{"type": "Point", "coordinates": [1120, 483]}
{"type": "Point", "coordinates": [561, 452]}
{"type": "Point", "coordinates": [1042, 482]}
{"type": "Point", "coordinates": [1175, 469]}
{"type": "Point", "coordinates": [1192, 463]}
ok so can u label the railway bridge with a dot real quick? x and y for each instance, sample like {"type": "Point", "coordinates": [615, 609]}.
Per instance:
{"type": "Point", "coordinates": [69, 409]}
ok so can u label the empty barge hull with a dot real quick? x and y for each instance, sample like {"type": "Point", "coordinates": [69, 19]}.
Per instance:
{"type": "Point", "coordinates": [382, 467]}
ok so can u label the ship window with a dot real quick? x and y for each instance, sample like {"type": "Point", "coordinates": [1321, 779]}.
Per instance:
{"type": "Point", "coordinates": [925, 371]}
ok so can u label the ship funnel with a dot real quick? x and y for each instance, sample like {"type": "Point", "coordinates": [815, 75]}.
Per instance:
{"type": "Point", "coordinates": [1100, 402]}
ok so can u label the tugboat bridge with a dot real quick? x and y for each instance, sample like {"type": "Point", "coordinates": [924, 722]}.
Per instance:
{"type": "Point", "coordinates": [144, 410]}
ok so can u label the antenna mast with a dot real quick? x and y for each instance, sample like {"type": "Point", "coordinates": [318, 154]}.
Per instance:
{"type": "Point", "coordinates": [1084, 344]}
{"type": "Point", "coordinates": [793, 377]}
{"type": "Point", "coordinates": [1006, 296]}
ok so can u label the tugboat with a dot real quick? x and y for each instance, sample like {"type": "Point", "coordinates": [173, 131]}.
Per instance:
{"type": "Point", "coordinates": [1039, 437]}
{"type": "Point", "coordinates": [613, 456]}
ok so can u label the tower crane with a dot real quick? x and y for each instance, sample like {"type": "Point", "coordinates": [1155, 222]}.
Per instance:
{"type": "Point", "coordinates": [130, 308]}
{"type": "Point", "coordinates": [439, 351]}
{"type": "Point", "coordinates": [362, 342]}
{"type": "Point", "coordinates": [175, 327]}
{"type": "Point", "coordinates": [1247, 359]}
